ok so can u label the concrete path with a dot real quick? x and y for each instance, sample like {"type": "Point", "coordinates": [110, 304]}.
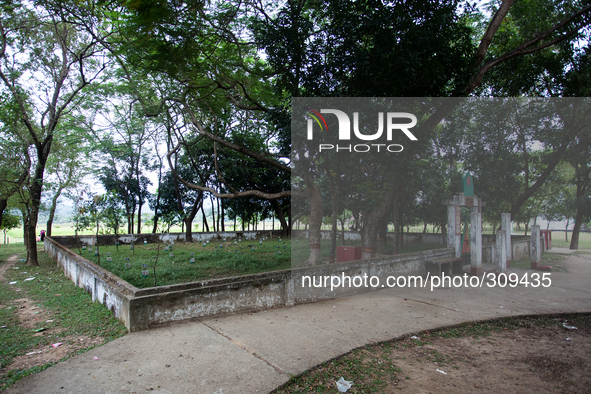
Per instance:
{"type": "Point", "coordinates": [256, 352]}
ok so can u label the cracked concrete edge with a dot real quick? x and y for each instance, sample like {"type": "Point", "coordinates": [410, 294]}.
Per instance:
{"type": "Point", "coordinates": [276, 368]}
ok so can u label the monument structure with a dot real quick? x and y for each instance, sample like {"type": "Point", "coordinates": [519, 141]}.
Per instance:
{"type": "Point", "coordinates": [454, 223]}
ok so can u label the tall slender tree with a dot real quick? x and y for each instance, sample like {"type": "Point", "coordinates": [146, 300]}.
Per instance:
{"type": "Point", "coordinates": [58, 61]}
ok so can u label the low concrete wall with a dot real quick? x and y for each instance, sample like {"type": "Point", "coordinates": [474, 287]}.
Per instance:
{"type": "Point", "coordinates": [125, 239]}
{"type": "Point", "coordinates": [520, 245]}
{"type": "Point", "coordinates": [106, 288]}
{"type": "Point", "coordinates": [139, 309]}
{"type": "Point", "coordinates": [427, 238]}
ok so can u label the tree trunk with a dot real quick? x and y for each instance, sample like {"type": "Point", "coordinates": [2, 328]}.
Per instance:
{"type": "Point", "coordinates": [33, 215]}
{"type": "Point", "coordinates": [342, 220]}
{"type": "Point", "coordinates": [281, 216]}
{"type": "Point", "coordinates": [399, 230]}
{"type": "Point", "coordinates": [315, 220]}
{"type": "Point", "coordinates": [25, 238]}
{"type": "Point", "coordinates": [334, 192]}
{"type": "Point", "coordinates": [212, 213]}
{"type": "Point", "coordinates": [3, 205]}
{"type": "Point", "coordinates": [371, 220]}
{"type": "Point", "coordinates": [52, 210]}
{"type": "Point", "coordinates": [155, 228]}
{"type": "Point", "coordinates": [382, 233]}
{"type": "Point", "coordinates": [188, 221]}
{"type": "Point", "coordinates": [574, 239]}
{"type": "Point", "coordinates": [128, 216]}
{"type": "Point", "coordinates": [205, 225]}
{"type": "Point", "coordinates": [223, 214]}
{"type": "Point", "coordinates": [139, 216]}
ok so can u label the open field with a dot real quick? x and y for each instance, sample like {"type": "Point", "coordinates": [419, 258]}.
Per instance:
{"type": "Point", "coordinates": [16, 234]}
{"type": "Point", "coordinates": [45, 319]}
{"type": "Point", "coordinates": [558, 237]}
{"type": "Point", "coordinates": [559, 240]}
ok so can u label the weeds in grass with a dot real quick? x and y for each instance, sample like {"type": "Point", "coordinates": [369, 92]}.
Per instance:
{"type": "Point", "coordinates": [215, 260]}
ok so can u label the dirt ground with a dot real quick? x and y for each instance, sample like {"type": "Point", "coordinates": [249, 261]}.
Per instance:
{"type": "Point", "coordinates": [551, 359]}
{"type": "Point", "coordinates": [30, 314]}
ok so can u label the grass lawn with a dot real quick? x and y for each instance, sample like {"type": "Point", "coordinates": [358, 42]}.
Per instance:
{"type": "Point", "coordinates": [46, 310]}
{"type": "Point", "coordinates": [559, 240]}
{"type": "Point", "coordinates": [556, 261]}
{"type": "Point", "coordinates": [189, 262]}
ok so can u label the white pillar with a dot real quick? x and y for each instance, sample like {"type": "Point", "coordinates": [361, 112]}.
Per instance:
{"type": "Point", "coordinates": [501, 252]}
{"type": "Point", "coordinates": [475, 241]}
{"type": "Point", "coordinates": [506, 227]}
{"type": "Point", "coordinates": [535, 247]}
{"type": "Point", "coordinates": [453, 240]}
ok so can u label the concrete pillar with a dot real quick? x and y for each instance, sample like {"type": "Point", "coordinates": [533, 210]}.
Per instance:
{"type": "Point", "coordinates": [501, 252]}
{"type": "Point", "coordinates": [453, 240]}
{"type": "Point", "coordinates": [475, 241]}
{"type": "Point", "coordinates": [535, 247]}
{"type": "Point", "coordinates": [506, 227]}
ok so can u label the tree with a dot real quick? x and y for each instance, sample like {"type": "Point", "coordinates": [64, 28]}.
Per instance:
{"type": "Point", "coordinates": [558, 201]}
{"type": "Point", "coordinates": [518, 141]}
{"type": "Point", "coordinates": [59, 61]}
{"type": "Point", "coordinates": [576, 84]}
{"type": "Point", "coordinates": [66, 166]}
{"type": "Point", "coordinates": [171, 42]}
{"type": "Point", "coordinates": [113, 215]}
{"type": "Point", "coordinates": [579, 158]}
{"type": "Point", "coordinates": [9, 221]}
{"type": "Point", "coordinates": [15, 161]}
{"type": "Point", "coordinates": [124, 143]}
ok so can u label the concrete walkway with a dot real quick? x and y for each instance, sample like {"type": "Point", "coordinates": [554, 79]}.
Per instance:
{"type": "Point", "coordinates": [256, 352]}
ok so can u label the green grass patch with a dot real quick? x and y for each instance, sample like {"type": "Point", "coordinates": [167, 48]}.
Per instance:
{"type": "Point", "coordinates": [174, 266]}
{"type": "Point", "coordinates": [371, 369]}
{"type": "Point", "coordinates": [559, 240]}
{"type": "Point", "coordinates": [11, 249]}
{"type": "Point", "coordinates": [554, 260]}
{"type": "Point", "coordinates": [70, 310]}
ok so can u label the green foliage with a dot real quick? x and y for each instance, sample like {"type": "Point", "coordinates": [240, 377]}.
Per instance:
{"type": "Point", "coordinates": [545, 72]}
{"type": "Point", "coordinates": [368, 49]}
{"type": "Point", "coordinates": [96, 209]}
{"type": "Point", "coordinates": [10, 221]}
